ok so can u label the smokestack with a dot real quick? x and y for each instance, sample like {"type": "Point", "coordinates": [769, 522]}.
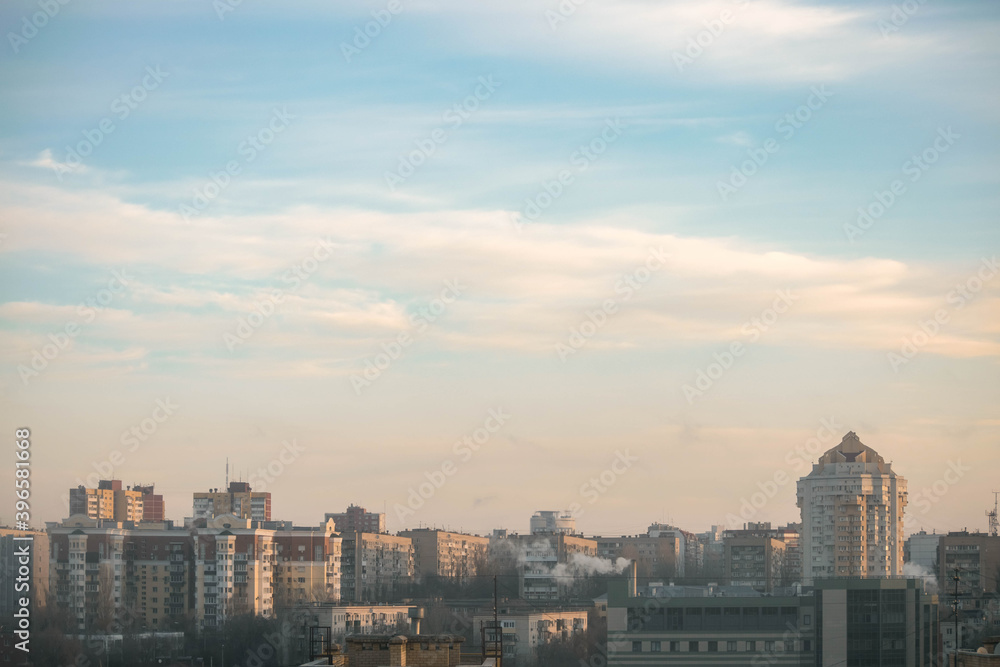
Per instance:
{"type": "Point", "coordinates": [633, 587]}
{"type": "Point", "coordinates": [415, 615]}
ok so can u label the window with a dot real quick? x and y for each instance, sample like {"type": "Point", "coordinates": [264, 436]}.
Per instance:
{"type": "Point", "coordinates": [769, 647]}
{"type": "Point", "coordinates": [636, 647]}
{"type": "Point", "coordinates": [654, 647]}
{"type": "Point", "coordinates": [675, 646]}
{"type": "Point", "coordinates": [713, 646]}
{"type": "Point", "coordinates": [789, 646]}
{"type": "Point", "coordinates": [731, 646]}
{"type": "Point", "coordinates": [751, 646]}
{"type": "Point", "coordinates": [693, 647]}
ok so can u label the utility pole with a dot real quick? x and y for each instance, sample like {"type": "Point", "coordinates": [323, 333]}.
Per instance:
{"type": "Point", "coordinates": [498, 648]}
{"type": "Point", "coordinates": [956, 578]}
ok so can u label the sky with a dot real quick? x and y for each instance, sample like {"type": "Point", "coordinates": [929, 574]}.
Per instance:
{"type": "Point", "coordinates": [461, 262]}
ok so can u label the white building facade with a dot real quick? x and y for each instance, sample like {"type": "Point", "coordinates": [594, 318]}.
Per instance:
{"type": "Point", "coordinates": [852, 506]}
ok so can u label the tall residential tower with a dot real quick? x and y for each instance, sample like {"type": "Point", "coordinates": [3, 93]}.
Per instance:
{"type": "Point", "coordinates": [852, 507]}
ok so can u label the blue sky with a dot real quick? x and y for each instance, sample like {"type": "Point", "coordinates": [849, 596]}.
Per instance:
{"type": "Point", "coordinates": [309, 212]}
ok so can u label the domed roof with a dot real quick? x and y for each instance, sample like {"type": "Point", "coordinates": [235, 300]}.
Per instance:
{"type": "Point", "coordinates": [852, 450]}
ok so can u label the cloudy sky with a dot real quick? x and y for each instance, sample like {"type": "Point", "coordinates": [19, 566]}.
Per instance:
{"type": "Point", "coordinates": [639, 253]}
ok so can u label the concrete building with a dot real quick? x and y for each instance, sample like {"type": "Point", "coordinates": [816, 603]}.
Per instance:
{"type": "Point", "coordinates": [441, 553]}
{"type": "Point", "coordinates": [108, 501]}
{"type": "Point", "coordinates": [859, 622]}
{"type": "Point", "coordinates": [922, 549]}
{"type": "Point", "coordinates": [539, 559]}
{"type": "Point", "coordinates": [354, 620]}
{"type": "Point", "coordinates": [548, 521]}
{"type": "Point", "coordinates": [785, 567]}
{"type": "Point", "coordinates": [307, 565]}
{"type": "Point", "coordinates": [697, 626]}
{"type": "Point", "coordinates": [522, 631]}
{"type": "Point", "coordinates": [12, 545]}
{"type": "Point", "coordinates": [113, 576]}
{"type": "Point", "coordinates": [655, 557]}
{"type": "Point", "coordinates": [976, 556]}
{"type": "Point", "coordinates": [239, 500]}
{"type": "Point", "coordinates": [395, 650]}
{"type": "Point", "coordinates": [153, 507]}
{"type": "Point", "coordinates": [374, 565]}
{"type": "Point", "coordinates": [755, 561]}
{"type": "Point", "coordinates": [852, 506]}
{"type": "Point", "coordinates": [358, 520]}
{"type": "Point", "coordinates": [876, 623]}
{"type": "Point", "coordinates": [714, 551]}
{"type": "Point", "coordinates": [693, 562]}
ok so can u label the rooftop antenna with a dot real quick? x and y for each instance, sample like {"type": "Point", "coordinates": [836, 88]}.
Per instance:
{"type": "Point", "coordinates": [227, 473]}
{"type": "Point", "coordinates": [994, 523]}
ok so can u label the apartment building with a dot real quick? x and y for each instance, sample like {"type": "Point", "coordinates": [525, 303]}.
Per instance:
{"type": "Point", "coordinates": [539, 557]}
{"type": "Point", "coordinates": [353, 620]}
{"type": "Point", "coordinates": [114, 576]}
{"type": "Point", "coordinates": [12, 543]}
{"type": "Point", "coordinates": [307, 565]}
{"type": "Point", "coordinates": [358, 520]}
{"type": "Point", "coordinates": [548, 521]}
{"type": "Point", "coordinates": [522, 631]}
{"type": "Point", "coordinates": [656, 557]}
{"type": "Point", "coordinates": [238, 500]}
{"type": "Point", "coordinates": [108, 501]}
{"type": "Point", "coordinates": [441, 553]}
{"type": "Point", "coordinates": [153, 507]}
{"type": "Point", "coordinates": [374, 565]}
{"type": "Point", "coordinates": [852, 506]}
{"type": "Point", "coordinates": [756, 562]}
{"type": "Point", "coordinates": [975, 559]}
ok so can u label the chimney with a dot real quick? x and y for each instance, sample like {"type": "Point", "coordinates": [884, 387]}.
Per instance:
{"type": "Point", "coordinates": [415, 614]}
{"type": "Point", "coordinates": [397, 651]}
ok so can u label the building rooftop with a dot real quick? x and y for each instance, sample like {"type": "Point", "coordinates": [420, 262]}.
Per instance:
{"type": "Point", "coordinates": [852, 450]}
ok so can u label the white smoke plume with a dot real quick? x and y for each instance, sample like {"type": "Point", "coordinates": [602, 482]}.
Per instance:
{"type": "Point", "coordinates": [921, 572]}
